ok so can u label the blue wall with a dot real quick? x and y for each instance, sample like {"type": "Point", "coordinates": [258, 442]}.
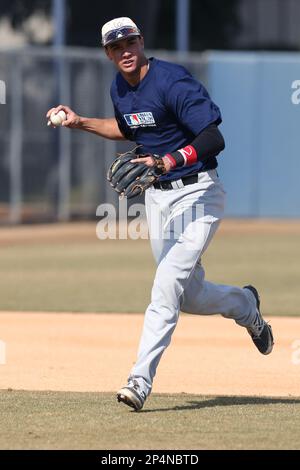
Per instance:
{"type": "Point", "coordinates": [260, 166]}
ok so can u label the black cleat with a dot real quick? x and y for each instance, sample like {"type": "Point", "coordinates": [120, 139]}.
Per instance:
{"type": "Point", "coordinates": [260, 331]}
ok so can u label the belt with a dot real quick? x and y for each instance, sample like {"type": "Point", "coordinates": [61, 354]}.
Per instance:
{"type": "Point", "coordinates": [176, 184]}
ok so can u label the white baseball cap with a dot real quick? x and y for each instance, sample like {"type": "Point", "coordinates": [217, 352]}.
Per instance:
{"type": "Point", "coordinates": [117, 29]}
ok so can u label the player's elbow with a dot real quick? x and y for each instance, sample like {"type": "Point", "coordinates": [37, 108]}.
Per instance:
{"type": "Point", "coordinates": [220, 142]}
{"type": "Point", "coordinates": [216, 140]}
{"type": "Point", "coordinates": [209, 143]}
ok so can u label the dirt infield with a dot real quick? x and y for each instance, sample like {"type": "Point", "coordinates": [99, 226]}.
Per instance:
{"type": "Point", "coordinates": [86, 352]}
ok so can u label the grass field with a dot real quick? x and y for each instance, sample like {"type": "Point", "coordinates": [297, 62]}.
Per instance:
{"type": "Point", "coordinates": [95, 421]}
{"type": "Point", "coordinates": [85, 275]}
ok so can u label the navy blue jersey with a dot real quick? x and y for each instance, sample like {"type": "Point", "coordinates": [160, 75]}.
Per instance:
{"type": "Point", "coordinates": [164, 112]}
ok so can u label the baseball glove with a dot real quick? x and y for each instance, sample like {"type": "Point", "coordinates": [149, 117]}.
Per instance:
{"type": "Point", "coordinates": [132, 179]}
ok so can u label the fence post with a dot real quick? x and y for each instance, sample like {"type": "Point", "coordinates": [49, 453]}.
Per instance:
{"type": "Point", "coordinates": [16, 141]}
{"type": "Point", "coordinates": [110, 146]}
{"type": "Point", "coordinates": [64, 145]}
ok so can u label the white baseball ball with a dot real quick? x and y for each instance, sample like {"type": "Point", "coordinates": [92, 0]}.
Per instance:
{"type": "Point", "coordinates": [57, 119]}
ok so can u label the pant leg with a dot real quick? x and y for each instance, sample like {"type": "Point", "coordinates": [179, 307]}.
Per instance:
{"type": "Point", "coordinates": [205, 298]}
{"type": "Point", "coordinates": [177, 254]}
{"type": "Point", "coordinates": [201, 297]}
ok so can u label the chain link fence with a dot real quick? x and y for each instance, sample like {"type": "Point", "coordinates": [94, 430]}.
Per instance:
{"type": "Point", "coordinates": [56, 174]}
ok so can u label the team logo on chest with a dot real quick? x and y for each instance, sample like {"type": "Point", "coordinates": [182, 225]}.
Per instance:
{"type": "Point", "coordinates": [140, 120]}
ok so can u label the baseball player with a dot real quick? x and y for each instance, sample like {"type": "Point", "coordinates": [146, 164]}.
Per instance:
{"type": "Point", "coordinates": [171, 118]}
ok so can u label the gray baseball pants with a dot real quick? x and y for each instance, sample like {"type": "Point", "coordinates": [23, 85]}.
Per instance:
{"type": "Point", "coordinates": [182, 222]}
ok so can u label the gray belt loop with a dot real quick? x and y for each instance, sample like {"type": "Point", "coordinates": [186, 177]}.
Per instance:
{"type": "Point", "coordinates": [177, 184]}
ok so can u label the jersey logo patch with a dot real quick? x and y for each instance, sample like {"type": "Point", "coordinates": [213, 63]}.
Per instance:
{"type": "Point", "coordinates": [140, 120]}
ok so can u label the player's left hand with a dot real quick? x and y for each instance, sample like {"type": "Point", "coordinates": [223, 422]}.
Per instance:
{"type": "Point", "coordinates": [150, 161]}
{"type": "Point", "coordinates": [131, 176]}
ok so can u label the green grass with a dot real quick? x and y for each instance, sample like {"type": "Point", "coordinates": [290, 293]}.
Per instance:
{"type": "Point", "coordinates": [116, 276]}
{"type": "Point", "coordinates": [269, 261]}
{"type": "Point", "coordinates": [91, 277]}
{"type": "Point", "coordinates": [57, 420]}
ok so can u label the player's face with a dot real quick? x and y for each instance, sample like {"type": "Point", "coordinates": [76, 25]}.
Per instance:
{"type": "Point", "coordinates": [127, 54]}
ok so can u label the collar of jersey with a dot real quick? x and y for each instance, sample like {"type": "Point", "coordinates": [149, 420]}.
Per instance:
{"type": "Point", "coordinates": [152, 63]}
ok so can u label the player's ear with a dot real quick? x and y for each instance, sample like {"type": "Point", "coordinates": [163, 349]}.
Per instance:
{"type": "Point", "coordinates": [107, 53]}
{"type": "Point", "coordinates": [142, 42]}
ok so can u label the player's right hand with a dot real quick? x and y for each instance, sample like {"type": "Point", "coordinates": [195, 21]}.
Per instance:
{"type": "Point", "coordinates": [72, 121]}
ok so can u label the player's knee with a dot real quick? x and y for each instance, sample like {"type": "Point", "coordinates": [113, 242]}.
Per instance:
{"type": "Point", "coordinates": [185, 305]}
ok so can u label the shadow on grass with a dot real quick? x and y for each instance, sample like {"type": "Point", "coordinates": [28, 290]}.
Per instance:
{"type": "Point", "coordinates": [227, 401]}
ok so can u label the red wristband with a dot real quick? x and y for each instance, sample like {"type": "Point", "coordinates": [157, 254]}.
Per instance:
{"type": "Point", "coordinates": [171, 159]}
{"type": "Point", "coordinates": [184, 157]}
{"type": "Point", "coordinates": [189, 155]}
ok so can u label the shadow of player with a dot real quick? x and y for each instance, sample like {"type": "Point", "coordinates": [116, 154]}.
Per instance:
{"type": "Point", "coordinates": [226, 401]}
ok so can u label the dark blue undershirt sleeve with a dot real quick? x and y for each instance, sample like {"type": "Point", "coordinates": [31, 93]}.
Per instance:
{"type": "Point", "coordinates": [209, 143]}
